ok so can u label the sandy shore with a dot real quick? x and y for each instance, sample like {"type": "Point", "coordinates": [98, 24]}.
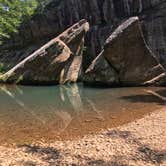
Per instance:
{"type": "Point", "coordinates": [140, 143]}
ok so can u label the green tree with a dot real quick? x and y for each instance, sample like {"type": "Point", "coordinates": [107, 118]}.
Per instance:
{"type": "Point", "coordinates": [13, 12]}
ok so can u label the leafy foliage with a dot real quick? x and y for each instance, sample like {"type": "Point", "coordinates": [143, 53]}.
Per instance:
{"type": "Point", "coordinates": [1, 68]}
{"type": "Point", "coordinates": [13, 12]}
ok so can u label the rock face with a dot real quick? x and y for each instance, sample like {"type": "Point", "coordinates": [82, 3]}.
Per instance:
{"type": "Point", "coordinates": [54, 62]}
{"type": "Point", "coordinates": [103, 15]}
{"type": "Point", "coordinates": [130, 58]}
{"type": "Point", "coordinates": [127, 51]}
{"type": "Point", "coordinates": [101, 73]}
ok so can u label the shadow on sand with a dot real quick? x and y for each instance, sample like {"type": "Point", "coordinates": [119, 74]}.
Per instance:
{"type": "Point", "coordinates": [142, 153]}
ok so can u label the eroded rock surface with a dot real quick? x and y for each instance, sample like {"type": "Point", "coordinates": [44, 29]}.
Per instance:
{"type": "Point", "coordinates": [101, 73]}
{"type": "Point", "coordinates": [131, 60]}
{"type": "Point", "coordinates": [127, 51]}
{"type": "Point", "coordinates": [58, 61]}
{"type": "Point", "coordinates": [104, 16]}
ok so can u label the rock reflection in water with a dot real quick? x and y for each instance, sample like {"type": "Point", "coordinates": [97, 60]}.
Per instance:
{"type": "Point", "coordinates": [62, 112]}
{"type": "Point", "coordinates": [63, 105]}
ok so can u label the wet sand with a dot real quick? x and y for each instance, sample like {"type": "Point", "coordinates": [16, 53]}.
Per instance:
{"type": "Point", "coordinates": [141, 142]}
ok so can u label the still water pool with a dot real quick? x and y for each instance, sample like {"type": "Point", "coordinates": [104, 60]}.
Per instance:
{"type": "Point", "coordinates": [31, 114]}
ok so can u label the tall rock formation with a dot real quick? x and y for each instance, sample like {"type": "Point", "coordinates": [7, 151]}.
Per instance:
{"type": "Point", "coordinates": [129, 61]}
{"type": "Point", "coordinates": [58, 61]}
{"type": "Point", "coordinates": [104, 16]}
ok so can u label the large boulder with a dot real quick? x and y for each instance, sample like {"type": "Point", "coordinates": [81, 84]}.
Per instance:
{"type": "Point", "coordinates": [127, 51]}
{"type": "Point", "coordinates": [58, 61]}
{"type": "Point", "coordinates": [131, 61]}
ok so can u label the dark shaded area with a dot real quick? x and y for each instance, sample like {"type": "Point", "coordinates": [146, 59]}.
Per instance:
{"type": "Point", "coordinates": [148, 98]}
{"type": "Point", "coordinates": [144, 152]}
{"type": "Point", "coordinates": [48, 154]}
{"type": "Point", "coordinates": [162, 92]}
{"type": "Point", "coordinates": [115, 161]}
{"type": "Point", "coordinates": [99, 85]}
{"type": "Point", "coordinates": [126, 135]}
{"type": "Point", "coordinates": [153, 156]}
{"type": "Point", "coordinates": [121, 134]}
{"type": "Point", "coordinates": [119, 8]}
{"type": "Point", "coordinates": [52, 156]}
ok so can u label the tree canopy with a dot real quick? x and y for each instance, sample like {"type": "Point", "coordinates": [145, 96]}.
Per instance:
{"type": "Point", "coordinates": [13, 12]}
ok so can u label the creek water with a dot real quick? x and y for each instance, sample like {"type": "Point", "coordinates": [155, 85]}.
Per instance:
{"type": "Point", "coordinates": [30, 114]}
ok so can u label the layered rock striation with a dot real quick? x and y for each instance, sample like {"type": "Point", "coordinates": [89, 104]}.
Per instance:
{"type": "Point", "coordinates": [58, 61]}
{"type": "Point", "coordinates": [104, 16]}
{"type": "Point", "coordinates": [127, 58]}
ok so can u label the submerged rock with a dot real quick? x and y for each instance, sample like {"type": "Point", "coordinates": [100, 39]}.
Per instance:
{"type": "Point", "coordinates": [58, 61]}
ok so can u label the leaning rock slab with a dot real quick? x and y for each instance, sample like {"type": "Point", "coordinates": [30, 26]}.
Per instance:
{"type": "Point", "coordinates": [53, 62]}
{"type": "Point", "coordinates": [128, 53]}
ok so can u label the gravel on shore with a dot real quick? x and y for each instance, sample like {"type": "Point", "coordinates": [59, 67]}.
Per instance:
{"type": "Point", "coordinates": [140, 143]}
